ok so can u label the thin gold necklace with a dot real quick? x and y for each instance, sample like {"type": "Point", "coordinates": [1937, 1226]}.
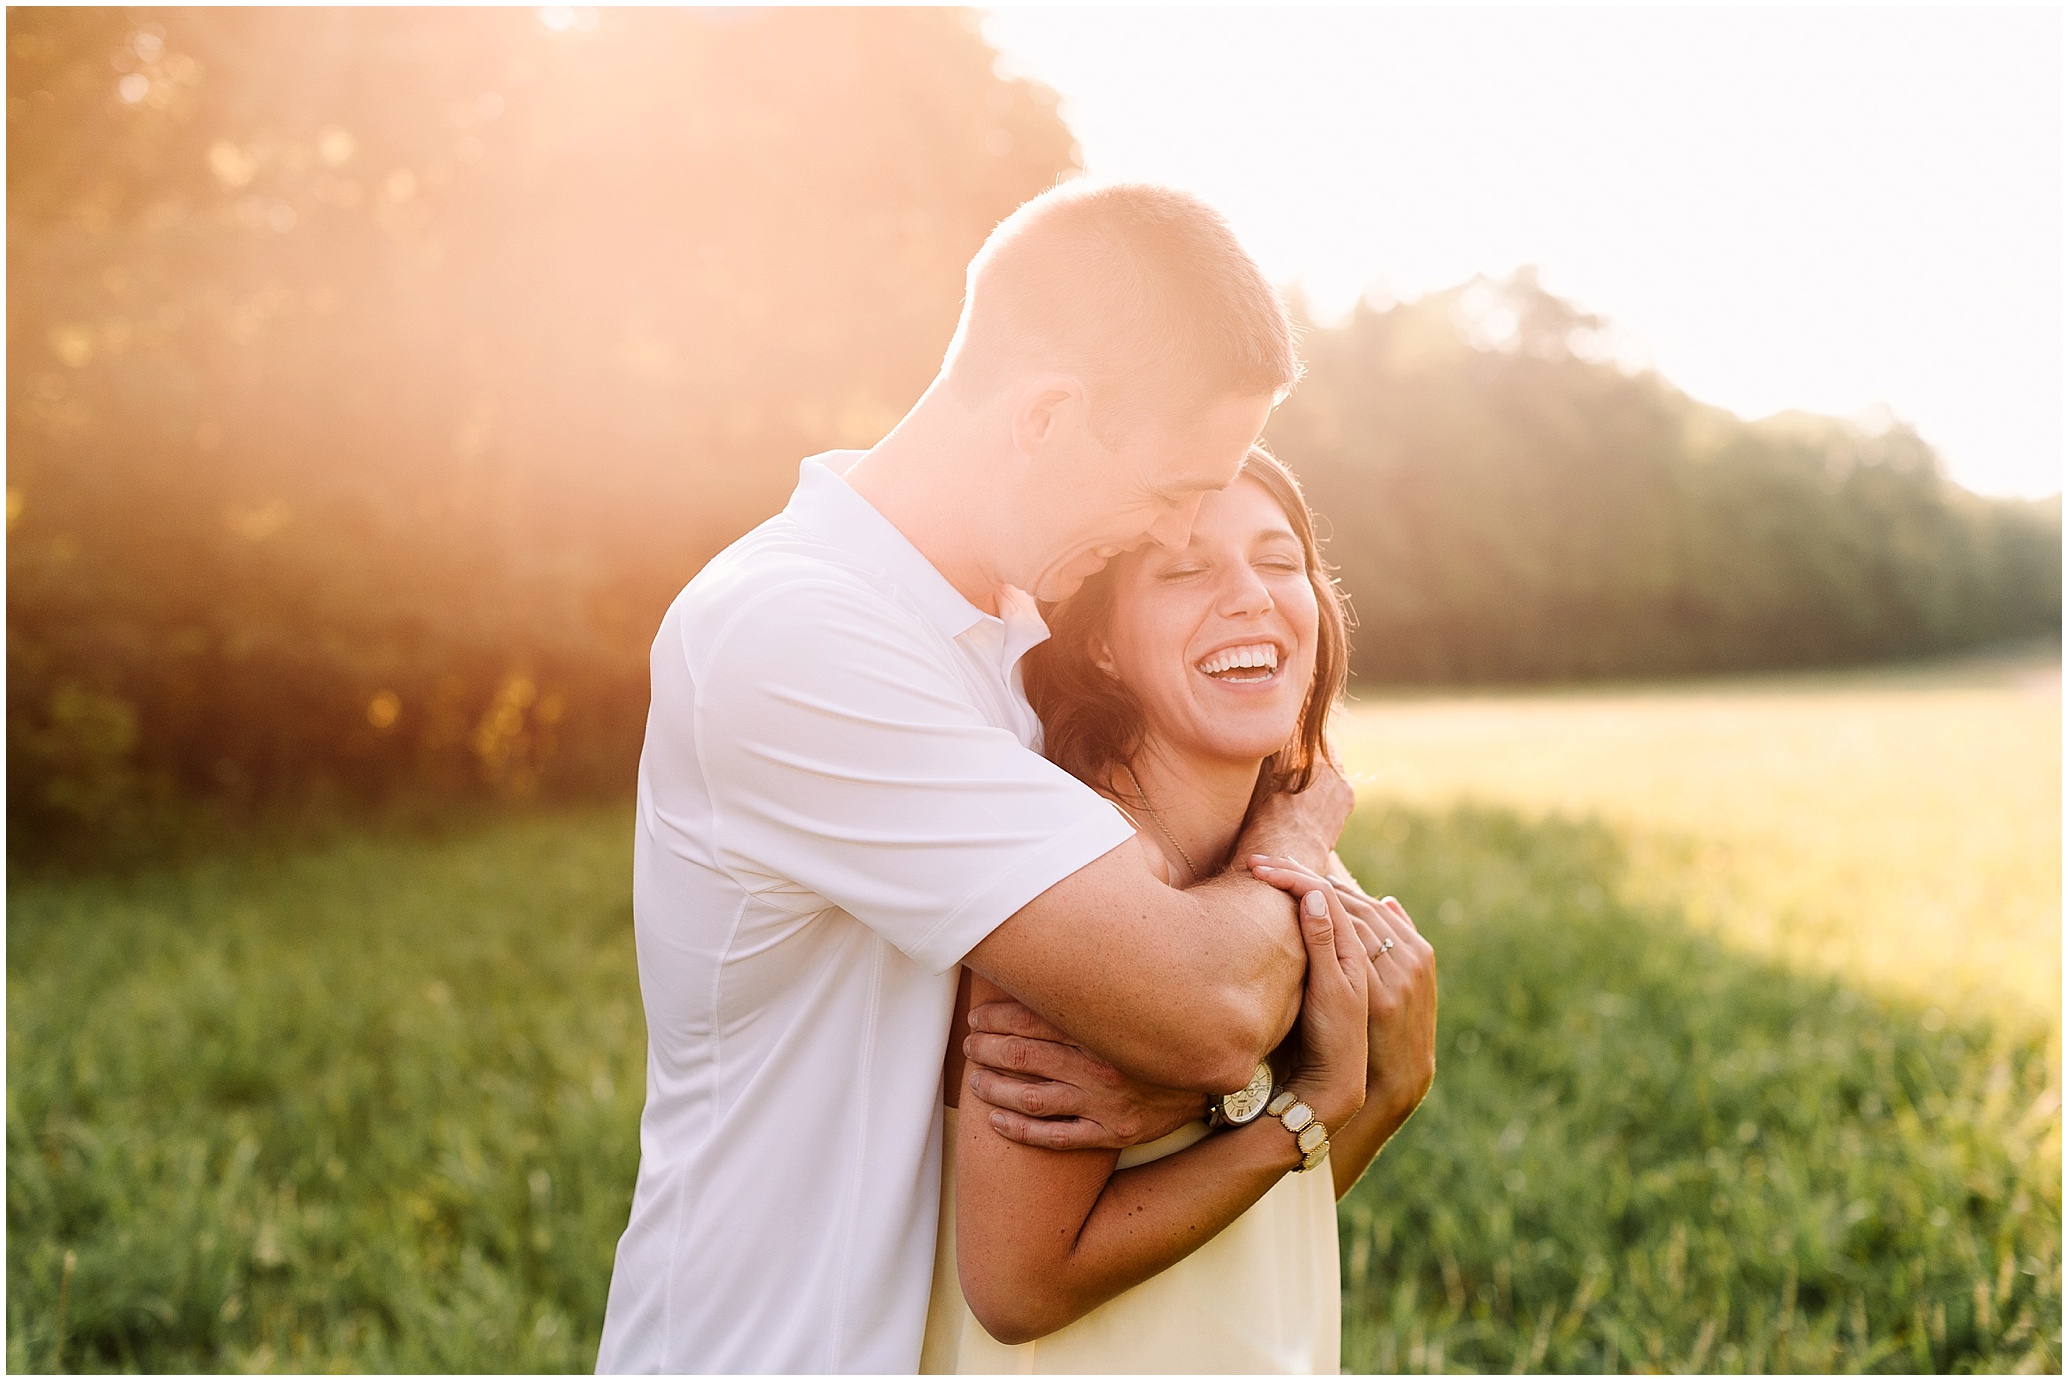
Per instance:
{"type": "Point", "coordinates": [1191, 869]}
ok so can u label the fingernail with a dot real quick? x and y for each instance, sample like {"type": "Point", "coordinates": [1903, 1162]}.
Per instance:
{"type": "Point", "coordinates": [1316, 904]}
{"type": "Point", "coordinates": [998, 1120]}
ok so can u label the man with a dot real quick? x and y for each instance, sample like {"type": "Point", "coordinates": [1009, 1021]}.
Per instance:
{"type": "Point", "coordinates": [841, 799]}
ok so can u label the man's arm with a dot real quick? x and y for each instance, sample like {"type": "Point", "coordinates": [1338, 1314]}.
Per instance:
{"type": "Point", "coordinates": [1180, 989]}
{"type": "Point", "coordinates": [844, 757]}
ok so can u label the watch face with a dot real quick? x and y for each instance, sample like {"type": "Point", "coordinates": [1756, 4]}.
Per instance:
{"type": "Point", "coordinates": [1246, 1103]}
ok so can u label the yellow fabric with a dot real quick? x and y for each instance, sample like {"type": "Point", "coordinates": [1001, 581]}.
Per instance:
{"type": "Point", "coordinates": [1262, 1296]}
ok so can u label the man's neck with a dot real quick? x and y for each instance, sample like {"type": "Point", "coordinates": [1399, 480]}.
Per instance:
{"type": "Point", "coordinates": [927, 478]}
{"type": "Point", "coordinates": [1195, 806]}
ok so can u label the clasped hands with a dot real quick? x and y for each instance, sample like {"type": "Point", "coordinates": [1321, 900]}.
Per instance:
{"type": "Point", "coordinates": [1047, 1091]}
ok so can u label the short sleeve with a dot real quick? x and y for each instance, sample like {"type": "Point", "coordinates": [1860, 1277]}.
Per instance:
{"type": "Point", "coordinates": [843, 753]}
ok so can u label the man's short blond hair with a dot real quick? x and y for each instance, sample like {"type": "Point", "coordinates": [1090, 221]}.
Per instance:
{"type": "Point", "coordinates": [1141, 292]}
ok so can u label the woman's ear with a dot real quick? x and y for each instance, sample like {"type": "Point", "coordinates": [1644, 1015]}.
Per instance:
{"type": "Point", "coordinates": [1102, 657]}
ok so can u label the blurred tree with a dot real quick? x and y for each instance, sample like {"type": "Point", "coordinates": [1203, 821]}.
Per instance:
{"type": "Point", "coordinates": [377, 376]}
{"type": "Point", "coordinates": [1509, 505]}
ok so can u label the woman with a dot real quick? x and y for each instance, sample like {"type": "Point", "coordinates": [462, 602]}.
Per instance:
{"type": "Point", "coordinates": [1185, 686]}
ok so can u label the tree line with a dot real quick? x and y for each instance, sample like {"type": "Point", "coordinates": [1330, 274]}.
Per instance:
{"type": "Point", "coordinates": [1509, 505]}
{"type": "Point", "coordinates": [375, 378]}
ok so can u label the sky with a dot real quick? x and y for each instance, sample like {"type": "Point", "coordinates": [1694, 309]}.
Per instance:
{"type": "Point", "coordinates": [1847, 210]}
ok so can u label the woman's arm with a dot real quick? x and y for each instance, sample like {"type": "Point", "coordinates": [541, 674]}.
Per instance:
{"type": "Point", "coordinates": [1044, 1237]}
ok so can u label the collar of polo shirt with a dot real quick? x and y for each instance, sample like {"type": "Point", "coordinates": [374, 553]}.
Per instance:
{"type": "Point", "coordinates": [826, 505]}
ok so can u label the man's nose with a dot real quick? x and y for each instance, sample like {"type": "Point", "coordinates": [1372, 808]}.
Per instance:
{"type": "Point", "coordinates": [1173, 530]}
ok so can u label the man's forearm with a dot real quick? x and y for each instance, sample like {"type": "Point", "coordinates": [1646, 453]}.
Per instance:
{"type": "Point", "coordinates": [1225, 994]}
{"type": "Point", "coordinates": [1180, 989]}
{"type": "Point", "coordinates": [1239, 904]}
{"type": "Point", "coordinates": [1233, 1000]}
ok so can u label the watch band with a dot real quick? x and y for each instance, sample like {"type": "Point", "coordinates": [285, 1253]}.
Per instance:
{"type": "Point", "coordinates": [1310, 1134]}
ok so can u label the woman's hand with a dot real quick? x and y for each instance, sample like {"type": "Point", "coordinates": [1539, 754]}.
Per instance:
{"type": "Point", "coordinates": [1334, 1029]}
{"type": "Point", "coordinates": [1402, 995]}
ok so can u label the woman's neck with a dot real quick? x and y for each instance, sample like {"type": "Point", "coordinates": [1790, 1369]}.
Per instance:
{"type": "Point", "coordinates": [1195, 806]}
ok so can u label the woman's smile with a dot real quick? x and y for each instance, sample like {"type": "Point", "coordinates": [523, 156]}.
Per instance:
{"type": "Point", "coordinates": [1245, 664]}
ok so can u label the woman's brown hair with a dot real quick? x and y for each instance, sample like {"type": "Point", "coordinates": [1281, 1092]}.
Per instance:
{"type": "Point", "coordinates": [1091, 723]}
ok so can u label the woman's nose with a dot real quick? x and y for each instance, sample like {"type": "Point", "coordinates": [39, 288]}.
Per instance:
{"type": "Point", "coordinates": [1244, 593]}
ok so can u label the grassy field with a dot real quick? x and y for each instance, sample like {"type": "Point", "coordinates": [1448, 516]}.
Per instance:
{"type": "Point", "coordinates": [1648, 1150]}
{"type": "Point", "coordinates": [370, 1108]}
{"type": "Point", "coordinates": [1900, 827]}
{"type": "Point", "coordinates": [373, 1106]}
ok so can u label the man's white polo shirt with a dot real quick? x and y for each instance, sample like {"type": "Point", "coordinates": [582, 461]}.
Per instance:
{"type": "Point", "coordinates": [840, 795]}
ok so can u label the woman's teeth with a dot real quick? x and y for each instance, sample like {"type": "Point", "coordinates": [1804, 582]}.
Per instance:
{"type": "Point", "coordinates": [1250, 662]}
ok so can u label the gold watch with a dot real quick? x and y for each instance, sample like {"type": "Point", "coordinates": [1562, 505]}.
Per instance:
{"type": "Point", "coordinates": [1245, 1105]}
{"type": "Point", "coordinates": [1309, 1133]}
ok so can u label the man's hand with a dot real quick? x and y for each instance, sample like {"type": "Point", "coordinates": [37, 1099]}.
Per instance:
{"type": "Point", "coordinates": [1049, 1092]}
{"type": "Point", "coordinates": [1303, 827]}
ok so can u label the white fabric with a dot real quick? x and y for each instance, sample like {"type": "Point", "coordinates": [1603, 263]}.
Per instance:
{"type": "Point", "coordinates": [840, 794]}
{"type": "Point", "coordinates": [1263, 1296]}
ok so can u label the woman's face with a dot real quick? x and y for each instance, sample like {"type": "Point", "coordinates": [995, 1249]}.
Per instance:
{"type": "Point", "coordinates": [1217, 641]}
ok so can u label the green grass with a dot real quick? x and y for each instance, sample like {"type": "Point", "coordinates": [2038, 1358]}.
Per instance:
{"type": "Point", "coordinates": [1647, 1151]}
{"type": "Point", "coordinates": [369, 1108]}
{"type": "Point", "coordinates": [373, 1106]}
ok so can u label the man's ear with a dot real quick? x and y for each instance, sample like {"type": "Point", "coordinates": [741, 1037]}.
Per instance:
{"type": "Point", "coordinates": [1048, 409]}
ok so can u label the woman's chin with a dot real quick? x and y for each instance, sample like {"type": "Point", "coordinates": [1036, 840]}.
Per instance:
{"type": "Point", "coordinates": [1227, 723]}
{"type": "Point", "coordinates": [1249, 742]}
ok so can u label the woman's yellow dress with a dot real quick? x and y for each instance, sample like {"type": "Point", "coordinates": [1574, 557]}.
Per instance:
{"type": "Point", "coordinates": [1262, 1296]}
